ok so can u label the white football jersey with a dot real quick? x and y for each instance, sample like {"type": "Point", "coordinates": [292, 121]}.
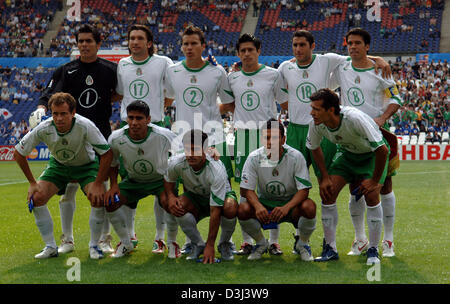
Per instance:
{"type": "Point", "coordinates": [276, 181]}
{"type": "Point", "coordinates": [303, 81]}
{"type": "Point", "coordinates": [211, 181]}
{"type": "Point", "coordinates": [145, 160]}
{"type": "Point", "coordinates": [357, 133]}
{"type": "Point", "coordinates": [143, 81]}
{"type": "Point", "coordinates": [196, 92]}
{"type": "Point", "coordinates": [255, 96]}
{"type": "Point", "coordinates": [74, 148]}
{"type": "Point", "coordinates": [364, 89]}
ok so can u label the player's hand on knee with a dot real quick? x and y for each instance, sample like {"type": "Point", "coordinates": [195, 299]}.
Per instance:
{"type": "Point", "coordinates": [34, 187]}
{"type": "Point", "coordinates": [262, 214]}
{"type": "Point", "coordinates": [369, 186]}
{"type": "Point", "coordinates": [326, 189]}
{"type": "Point", "coordinates": [208, 254]}
{"type": "Point", "coordinates": [96, 194]}
{"type": "Point", "coordinates": [176, 208]}
{"type": "Point", "coordinates": [111, 195]}
{"type": "Point", "coordinates": [278, 213]}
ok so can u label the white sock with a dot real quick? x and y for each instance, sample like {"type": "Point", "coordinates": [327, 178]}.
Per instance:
{"type": "Point", "coordinates": [306, 227]}
{"type": "Point", "coordinates": [227, 226]}
{"type": "Point", "coordinates": [189, 226]}
{"type": "Point", "coordinates": [119, 222]}
{"type": "Point", "coordinates": [357, 210]}
{"type": "Point", "coordinates": [172, 227]}
{"type": "Point", "coordinates": [44, 223]}
{"type": "Point", "coordinates": [329, 222]}
{"type": "Point", "coordinates": [253, 228]}
{"type": "Point", "coordinates": [130, 215]}
{"type": "Point", "coordinates": [106, 229]}
{"type": "Point", "coordinates": [96, 219]}
{"type": "Point", "coordinates": [159, 219]}
{"type": "Point", "coordinates": [67, 210]}
{"type": "Point", "coordinates": [388, 205]}
{"type": "Point", "coordinates": [246, 238]}
{"type": "Point", "coordinates": [273, 235]}
{"type": "Point", "coordinates": [374, 222]}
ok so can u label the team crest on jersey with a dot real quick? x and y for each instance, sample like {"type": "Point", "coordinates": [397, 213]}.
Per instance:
{"type": "Point", "coordinates": [139, 72]}
{"type": "Point", "coordinates": [250, 83]}
{"type": "Point", "coordinates": [64, 142]}
{"type": "Point", "coordinates": [275, 172]}
{"type": "Point", "coordinates": [140, 152]}
{"type": "Point", "coordinates": [357, 80]}
{"type": "Point", "coordinates": [305, 74]}
{"type": "Point", "coordinates": [193, 79]}
{"type": "Point", "coordinates": [89, 80]}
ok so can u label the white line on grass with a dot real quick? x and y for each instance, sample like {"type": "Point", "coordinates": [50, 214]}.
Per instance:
{"type": "Point", "coordinates": [423, 172]}
{"type": "Point", "coordinates": [13, 183]}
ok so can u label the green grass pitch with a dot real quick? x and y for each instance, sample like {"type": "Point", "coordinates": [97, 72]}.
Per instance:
{"type": "Point", "coordinates": [422, 233]}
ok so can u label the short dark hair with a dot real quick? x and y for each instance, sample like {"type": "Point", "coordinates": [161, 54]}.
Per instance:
{"type": "Point", "coordinates": [139, 106]}
{"type": "Point", "coordinates": [148, 33]}
{"type": "Point", "coordinates": [61, 98]}
{"type": "Point", "coordinates": [273, 124]}
{"type": "Point", "coordinates": [360, 32]}
{"type": "Point", "coordinates": [192, 137]}
{"type": "Point", "coordinates": [248, 38]}
{"type": "Point", "coordinates": [193, 30]}
{"type": "Point", "coordinates": [87, 28]}
{"type": "Point", "coordinates": [303, 33]}
{"type": "Point", "coordinates": [329, 99]}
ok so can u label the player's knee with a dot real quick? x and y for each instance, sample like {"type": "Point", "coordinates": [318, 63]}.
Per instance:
{"type": "Point", "coordinates": [230, 208]}
{"type": "Point", "coordinates": [39, 199]}
{"type": "Point", "coordinates": [387, 186]}
{"type": "Point", "coordinates": [244, 211]}
{"type": "Point", "coordinates": [308, 208]}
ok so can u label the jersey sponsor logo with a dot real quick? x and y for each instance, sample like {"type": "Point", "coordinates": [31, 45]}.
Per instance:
{"type": "Point", "coordinates": [89, 80]}
{"type": "Point", "coordinates": [357, 80]}
{"type": "Point", "coordinates": [355, 96]}
{"type": "Point", "coordinates": [250, 83]}
{"type": "Point", "coordinates": [139, 72]}
{"type": "Point", "coordinates": [193, 79]}
{"type": "Point", "coordinates": [291, 68]}
{"type": "Point", "coordinates": [250, 100]}
{"type": "Point", "coordinates": [276, 188]}
{"type": "Point", "coordinates": [304, 91]}
{"type": "Point", "coordinates": [143, 167]}
{"type": "Point", "coordinates": [176, 71]}
{"type": "Point", "coordinates": [88, 98]}
{"type": "Point", "coordinates": [73, 71]}
{"type": "Point", "coordinates": [138, 89]}
{"type": "Point", "coordinates": [236, 76]}
{"type": "Point", "coordinates": [305, 74]}
{"type": "Point", "coordinates": [193, 96]}
{"type": "Point", "coordinates": [65, 154]}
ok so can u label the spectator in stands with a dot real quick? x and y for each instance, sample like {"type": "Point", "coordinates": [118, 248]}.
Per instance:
{"type": "Point", "coordinates": [23, 96]}
{"type": "Point", "coordinates": [255, 8]}
{"type": "Point", "coordinates": [3, 131]}
{"type": "Point", "coordinates": [40, 69]}
{"type": "Point", "coordinates": [424, 44]}
{"type": "Point", "coordinates": [5, 95]}
{"type": "Point", "coordinates": [436, 137]}
{"type": "Point", "coordinates": [414, 129]}
{"type": "Point", "coordinates": [17, 97]}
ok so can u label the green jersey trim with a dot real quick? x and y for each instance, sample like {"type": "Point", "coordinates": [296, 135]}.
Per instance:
{"type": "Point", "coordinates": [140, 62]}
{"type": "Point", "coordinates": [398, 100]}
{"type": "Point", "coordinates": [229, 93]}
{"type": "Point", "coordinates": [103, 147]}
{"type": "Point", "coordinates": [306, 66]}
{"type": "Point", "coordinates": [341, 116]}
{"type": "Point", "coordinates": [149, 130]}
{"type": "Point", "coordinates": [201, 170]}
{"type": "Point", "coordinates": [217, 199]}
{"type": "Point", "coordinates": [362, 70]}
{"type": "Point", "coordinates": [194, 70]}
{"type": "Point", "coordinates": [374, 144]}
{"type": "Point", "coordinates": [255, 72]}
{"type": "Point", "coordinates": [304, 181]}
{"type": "Point", "coordinates": [285, 90]}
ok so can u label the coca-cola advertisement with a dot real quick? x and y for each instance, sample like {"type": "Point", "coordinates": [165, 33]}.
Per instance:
{"type": "Point", "coordinates": [6, 153]}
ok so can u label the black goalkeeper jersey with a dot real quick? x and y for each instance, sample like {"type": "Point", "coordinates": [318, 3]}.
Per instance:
{"type": "Point", "coordinates": [91, 84]}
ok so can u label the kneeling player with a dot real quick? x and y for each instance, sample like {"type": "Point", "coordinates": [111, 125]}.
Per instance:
{"type": "Point", "coordinates": [207, 193]}
{"type": "Point", "coordinates": [282, 177]}
{"type": "Point", "coordinates": [144, 149]}
{"type": "Point", "coordinates": [72, 141]}
{"type": "Point", "coordinates": [361, 158]}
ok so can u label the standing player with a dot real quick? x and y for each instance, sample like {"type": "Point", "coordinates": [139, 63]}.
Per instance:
{"type": "Point", "coordinates": [91, 81]}
{"type": "Point", "coordinates": [140, 77]}
{"type": "Point", "coordinates": [256, 88]}
{"type": "Point", "coordinates": [144, 149]}
{"type": "Point", "coordinates": [361, 159]}
{"type": "Point", "coordinates": [195, 84]}
{"type": "Point", "coordinates": [281, 176]}
{"type": "Point", "coordinates": [305, 76]}
{"type": "Point", "coordinates": [73, 141]}
{"type": "Point", "coordinates": [362, 88]}
{"type": "Point", "coordinates": [207, 193]}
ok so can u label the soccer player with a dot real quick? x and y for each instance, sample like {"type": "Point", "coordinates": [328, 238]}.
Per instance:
{"type": "Point", "coordinates": [304, 76]}
{"type": "Point", "coordinates": [256, 88]}
{"type": "Point", "coordinates": [144, 149]}
{"type": "Point", "coordinates": [361, 159]}
{"type": "Point", "coordinates": [91, 81]}
{"type": "Point", "coordinates": [281, 176]}
{"type": "Point", "coordinates": [195, 84]}
{"type": "Point", "coordinates": [362, 88]}
{"type": "Point", "coordinates": [207, 192]}
{"type": "Point", "coordinates": [73, 141]}
{"type": "Point", "coordinates": [140, 77]}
